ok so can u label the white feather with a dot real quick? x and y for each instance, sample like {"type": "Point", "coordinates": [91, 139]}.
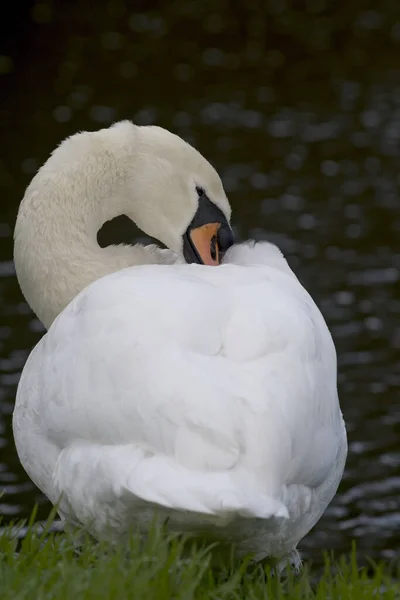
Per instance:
{"type": "Point", "coordinates": [207, 395]}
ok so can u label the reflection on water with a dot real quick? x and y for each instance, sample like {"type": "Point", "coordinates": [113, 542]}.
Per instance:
{"type": "Point", "coordinates": [300, 113]}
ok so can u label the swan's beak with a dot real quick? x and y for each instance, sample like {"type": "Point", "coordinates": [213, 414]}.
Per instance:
{"type": "Point", "coordinates": [203, 242]}
{"type": "Point", "coordinates": [208, 236]}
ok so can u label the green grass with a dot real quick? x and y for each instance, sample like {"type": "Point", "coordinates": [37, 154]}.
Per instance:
{"type": "Point", "coordinates": [56, 567]}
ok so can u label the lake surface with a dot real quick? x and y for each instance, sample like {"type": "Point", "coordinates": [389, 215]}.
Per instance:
{"type": "Point", "coordinates": [299, 111]}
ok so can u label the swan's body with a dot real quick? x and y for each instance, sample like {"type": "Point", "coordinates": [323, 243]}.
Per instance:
{"type": "Point", "coordinates": [205, 395]}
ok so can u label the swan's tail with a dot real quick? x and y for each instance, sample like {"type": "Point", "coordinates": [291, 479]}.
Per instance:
{"type": "Point", "coordinates": [113, 480]}
{"type": "Point", "coordinates": [159, 480]}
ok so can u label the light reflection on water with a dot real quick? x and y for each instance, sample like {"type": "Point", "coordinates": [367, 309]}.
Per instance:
{"type": "Point", "coordinates": [306, 139]}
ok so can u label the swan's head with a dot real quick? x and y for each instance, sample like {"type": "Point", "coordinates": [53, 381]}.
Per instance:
{"type": "Point", "coordinates": [172, 193]}
{"type": "Point", "coordinates": [155, 178]}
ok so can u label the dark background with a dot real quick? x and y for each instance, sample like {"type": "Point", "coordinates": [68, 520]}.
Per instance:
{"type": "Point", "coordinates": [297, 105]}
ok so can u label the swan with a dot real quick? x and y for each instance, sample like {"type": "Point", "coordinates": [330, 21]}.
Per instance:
{"type": "Point", "coordinates": [194, 383]}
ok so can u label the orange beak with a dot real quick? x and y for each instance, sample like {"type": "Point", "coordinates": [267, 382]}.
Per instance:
{"type": "Point", "coordinates": [205, 240]}
{"type": "Point", "coordinates": [208, 236]}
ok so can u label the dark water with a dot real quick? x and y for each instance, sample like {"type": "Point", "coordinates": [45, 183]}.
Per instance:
{"type": "Point", "coordinates": [298, 107]}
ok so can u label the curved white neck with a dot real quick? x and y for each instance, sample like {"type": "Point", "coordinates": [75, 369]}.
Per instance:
{"type": "Point", "coordinates": [56, 251]}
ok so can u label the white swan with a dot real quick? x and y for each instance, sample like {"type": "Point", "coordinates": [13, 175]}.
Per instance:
{"type": "Point", "coordinates": [205, 395]}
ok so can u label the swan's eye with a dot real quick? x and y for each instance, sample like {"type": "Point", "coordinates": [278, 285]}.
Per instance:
{"type": "Point", "coordinates": [214, 247]}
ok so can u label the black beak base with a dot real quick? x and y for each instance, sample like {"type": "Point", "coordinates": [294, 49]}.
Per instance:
{"type": "Point", "coordinates": [207, 212]}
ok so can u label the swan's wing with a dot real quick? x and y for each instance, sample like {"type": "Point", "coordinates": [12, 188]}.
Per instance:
{"type": "Point", "coordinates": [195, 388]}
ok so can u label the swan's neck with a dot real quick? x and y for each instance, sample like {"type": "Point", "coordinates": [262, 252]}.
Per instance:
{"type": "Point", "coordinates": [56, 251]}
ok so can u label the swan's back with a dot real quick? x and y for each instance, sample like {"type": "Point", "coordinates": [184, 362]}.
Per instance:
{"type": "Point", "coordinates": [207, 391]}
